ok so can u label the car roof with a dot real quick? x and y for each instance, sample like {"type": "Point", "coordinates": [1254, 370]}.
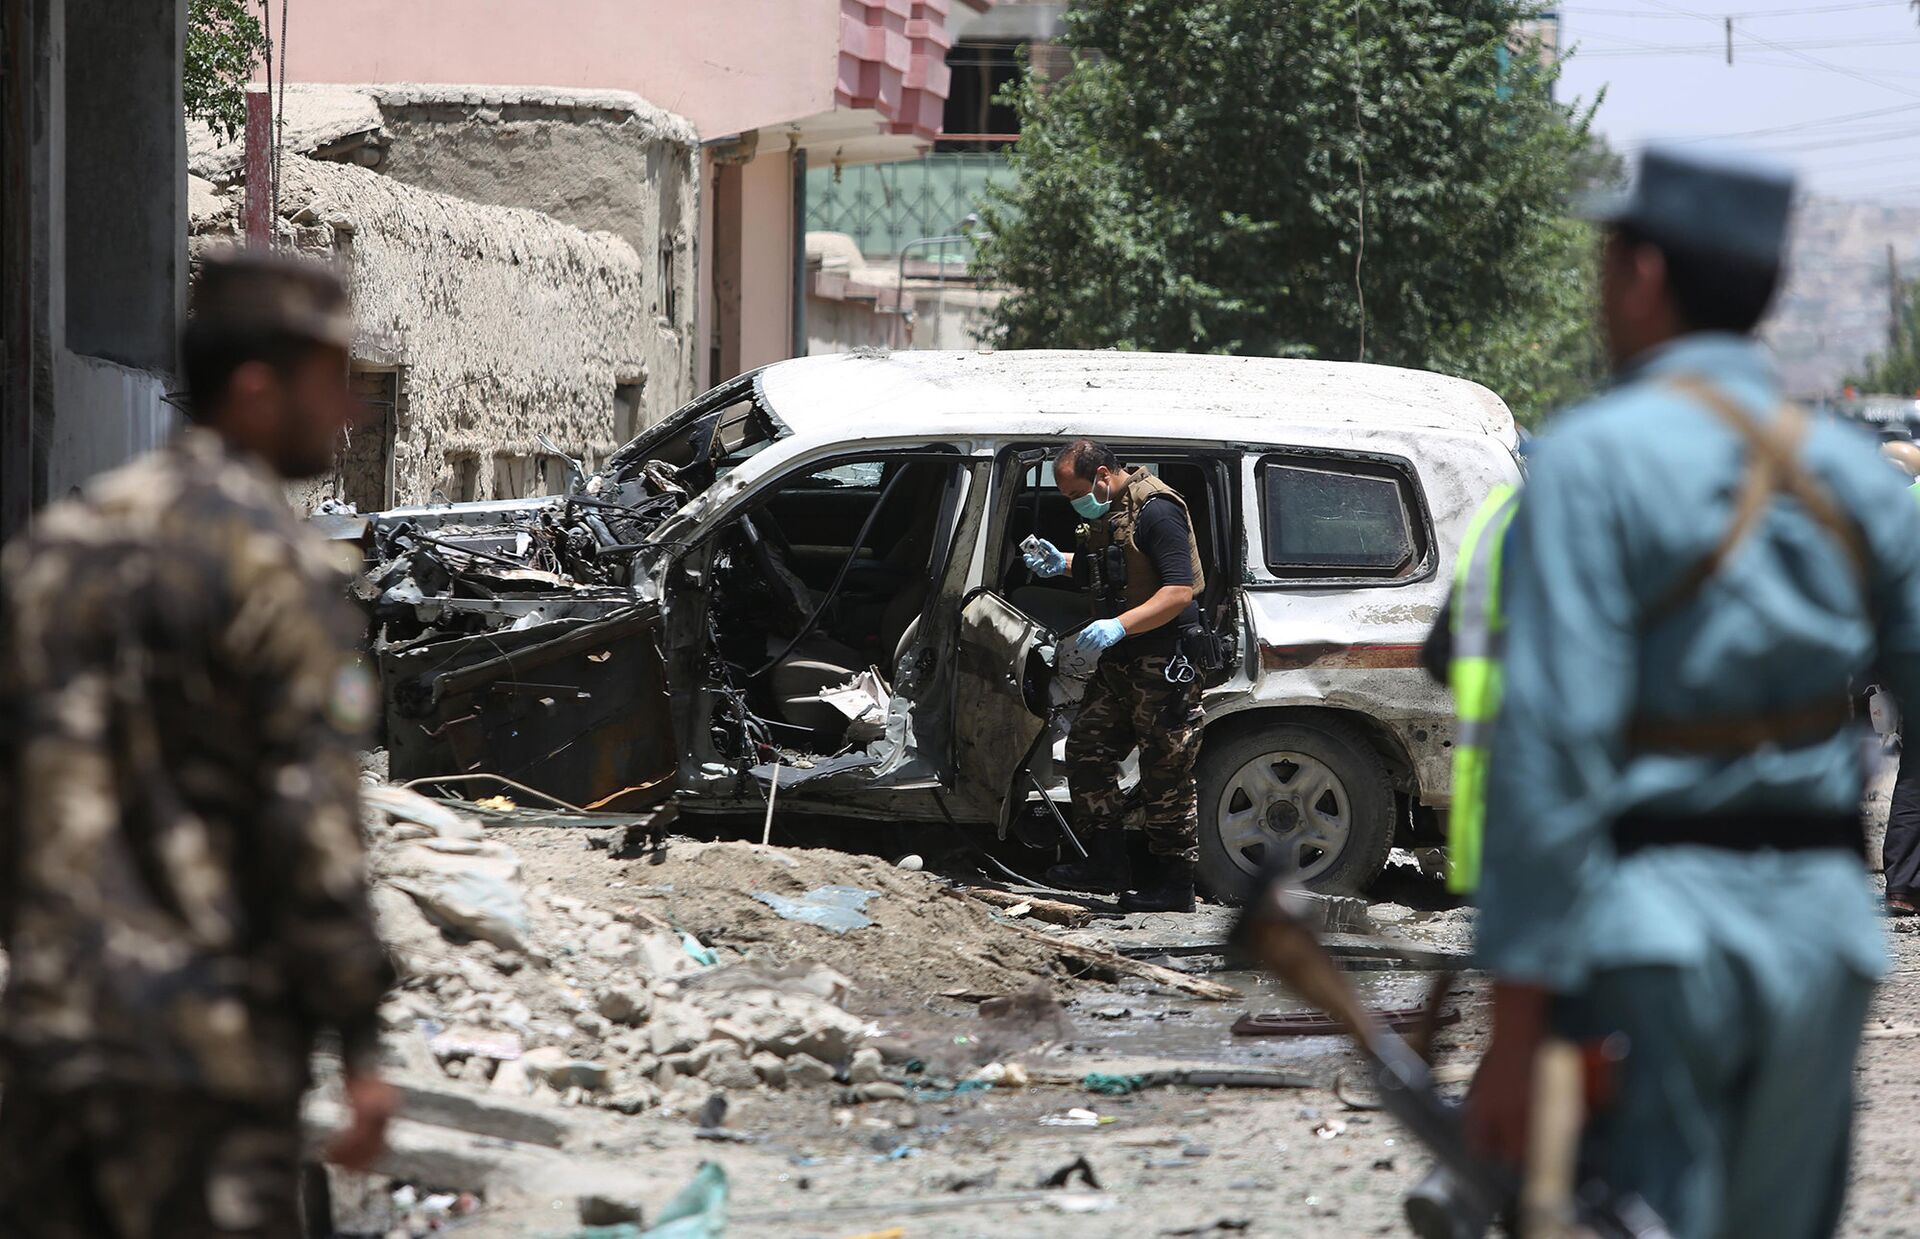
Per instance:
{"type": "Point", "coordinates": [870, 392]}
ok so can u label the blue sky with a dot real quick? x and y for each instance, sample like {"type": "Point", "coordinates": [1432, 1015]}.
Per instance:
{"type": "Point", "coordinates": [1830, 86]}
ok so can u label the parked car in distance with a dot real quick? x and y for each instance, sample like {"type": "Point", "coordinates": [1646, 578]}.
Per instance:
{"type": "Point", "coordinates": [694, 618]}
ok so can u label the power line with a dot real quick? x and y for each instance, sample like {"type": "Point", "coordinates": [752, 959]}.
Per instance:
{"type": "Point", "coordinates": [1854, 7]}
{"type": "Point", "coordinates": [1715, 49]}
{"type": "Point", "coordinates": [1797, 126]}
{"type": "Point", "coordinates": [1798, 55]}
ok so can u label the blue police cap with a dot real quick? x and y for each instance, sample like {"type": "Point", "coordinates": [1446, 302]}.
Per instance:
{"type": "Point", "coordinates": [1714, 201]}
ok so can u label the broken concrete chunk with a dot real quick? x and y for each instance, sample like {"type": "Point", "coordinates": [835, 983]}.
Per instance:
{"type": "Point", "coordinates": [677, 1027]}
{"type": "Point", "coordinates": [603, 1210]}
{"type": "Point", "coordinates": [424, 1100]}
{"type": "Point", "coordinates": [727, 1030]}
{"type": "Point", "coordinates": [789, 1023]}
{"type": "Point", "coordinates": [557, 1069]}
{"type": "Point", "coordinates": [472, 903]}
{"type": "Point", "coordinates": [771, 1069]}
{"type": "Point", "coordinates": [693, 1062]}
{"type": "Point", "coordinates": [687, 1096]}
{"type": "Point", "coordinates": [865, 1068]}
{"type": "Point", "coordinates": [804, 1070]}
{"type": "Point", "coordinates": [512, 1079]}
{"type": "Point", "coordinates": [728, 1067]}
{"type": "Point", "coordinates": [624, 1004]}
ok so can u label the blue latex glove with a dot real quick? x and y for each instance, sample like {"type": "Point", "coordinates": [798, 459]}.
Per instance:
{"type": "Point", "coordinates": [1097, 637]}
{"type": "Point", "coordinates": [1044, 558]}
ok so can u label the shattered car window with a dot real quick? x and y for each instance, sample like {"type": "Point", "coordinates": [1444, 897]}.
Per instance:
{"type": "Point", "coordinates": [701, 442]}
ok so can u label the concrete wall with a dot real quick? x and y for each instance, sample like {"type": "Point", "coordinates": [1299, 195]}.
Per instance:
{"type": "Point", "coordinates": [95, 212]}
{"type": "Point", "coordinates": [727, 65]}
{"type": "Point", "coordinates": [611, 165]}
{"type": "Point", "coordinates": [766, 259]}
{"type": "Point", "coordinates": [505, 324]}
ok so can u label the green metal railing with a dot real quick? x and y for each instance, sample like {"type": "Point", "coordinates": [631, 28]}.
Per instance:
{"type": "Point", "coordinates": [885, 206]}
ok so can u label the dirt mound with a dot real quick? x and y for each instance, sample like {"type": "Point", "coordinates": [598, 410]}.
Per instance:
{"type": "Point", "coordinates": [921, 942]}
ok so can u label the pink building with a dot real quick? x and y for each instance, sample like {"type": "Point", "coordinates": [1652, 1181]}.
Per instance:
{"type": "Point", "coordinates": [768, 84]}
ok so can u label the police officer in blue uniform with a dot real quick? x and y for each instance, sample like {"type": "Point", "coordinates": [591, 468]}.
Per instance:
{"type": "Point", "coordinates": [1697, 578]}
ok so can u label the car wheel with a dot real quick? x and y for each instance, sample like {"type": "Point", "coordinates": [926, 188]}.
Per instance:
{"type": "Point", "coordinates": [1315, 795]}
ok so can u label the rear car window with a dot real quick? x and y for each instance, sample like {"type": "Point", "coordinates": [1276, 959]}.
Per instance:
{"type": "Point", "coordinates": [1338, 518]}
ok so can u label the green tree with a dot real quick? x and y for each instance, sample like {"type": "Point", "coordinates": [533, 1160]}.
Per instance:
{"type": "Point", "coordinates": [1897, 370]}
{"type": "Point", "coordinates": [1382, 180]}
{"type": "Point", "coordinates": [224, 43]}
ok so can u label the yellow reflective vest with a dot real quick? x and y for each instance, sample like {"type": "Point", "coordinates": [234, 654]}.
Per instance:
{"type": "Point", "coordinates": [1474, 675]}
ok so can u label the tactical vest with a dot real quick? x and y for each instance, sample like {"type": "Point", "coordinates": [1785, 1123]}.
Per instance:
{"type": "Point", "coordinates": [1476, 677]}
{"type": "Point", "coordinates": [1116, 529]}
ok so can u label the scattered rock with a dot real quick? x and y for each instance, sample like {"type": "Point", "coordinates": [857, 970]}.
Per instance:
{"type": "Point", "coordinates": [804, 1070]}
{"type": "Point", "coordinates": [728, 1068]}
{"type": "Point", "coordinates": [880, 1090]}
{"type": "Point", "coordinates": [687, 1096]}
{"type": "Point", "coordinates": [512, 1079]}
{"type": "Point", "coordinates": [602, 1210]}
{"type": "Point", "coordinates": [635, 1098]}
{"type": "Point", "coordinates": [677, 1027]}
{"type": "Point", "coordinates": [771, 1069]}
{"type": "Point", "coordinates": [624, 1004]}
{"type": "Point", "coordinates": [865, 1068]}
{"type": "Point", "coordinates": [556, 1068]}
{"type": "Point", "coordinates": [693, 1062]}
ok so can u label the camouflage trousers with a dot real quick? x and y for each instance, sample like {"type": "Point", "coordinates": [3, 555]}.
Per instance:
{"type": "Point", "coordinates": [124, 1163]}
{"type": "Point", "coordinates": [1129, 702]}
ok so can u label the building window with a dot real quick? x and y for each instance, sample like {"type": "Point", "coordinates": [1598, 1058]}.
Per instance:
{"type": "Point", "coordinates": [466, 479]}
{"type": "Point", "coordinates": [974, 114]}
{"type": "Point", "coordinates": [1340, 518]}
{"type": "Point", "coordinates": [365, 473]}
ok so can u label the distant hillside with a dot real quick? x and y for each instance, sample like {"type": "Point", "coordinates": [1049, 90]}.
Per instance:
{"type": "Point", "coordinates": [1833, 311]}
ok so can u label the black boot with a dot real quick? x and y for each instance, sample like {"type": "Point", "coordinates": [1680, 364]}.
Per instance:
{"type": "Point", "coordinates": [1105, 869]}
{"type": "Point", "coordinates": [1170, 890]}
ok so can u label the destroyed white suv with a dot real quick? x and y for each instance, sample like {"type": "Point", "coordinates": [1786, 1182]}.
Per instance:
{"type": "Point", "coordinates": [812, 573]}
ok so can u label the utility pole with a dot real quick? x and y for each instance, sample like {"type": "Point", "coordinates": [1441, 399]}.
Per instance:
{"type": "Point", "coordinates": [1729, 40]}
{"type": "Point", "coordinates": [258, 213]}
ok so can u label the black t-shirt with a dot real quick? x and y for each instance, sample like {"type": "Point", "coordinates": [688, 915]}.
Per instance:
{"type": "Point", "coordinates": [1161, 534]}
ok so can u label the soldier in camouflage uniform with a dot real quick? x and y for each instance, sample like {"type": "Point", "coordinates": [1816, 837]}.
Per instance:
{"type": "Point", "coordinates": [181, 890]}
{"type": "Point", "coordinates": [1138, 557]}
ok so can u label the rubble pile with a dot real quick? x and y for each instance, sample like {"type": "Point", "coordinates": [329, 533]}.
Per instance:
{"type": "Point", "coordinates": [538, 994]}
{"type": "Point", "coordinates": [713, 967]}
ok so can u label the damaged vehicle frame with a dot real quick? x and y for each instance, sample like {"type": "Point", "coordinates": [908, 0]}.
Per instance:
{"type": "Point", "coordinates": [811, 574]}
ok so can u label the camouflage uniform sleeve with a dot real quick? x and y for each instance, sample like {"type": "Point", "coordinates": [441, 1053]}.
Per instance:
{"type": "Point", "coordinates": [288, 634]}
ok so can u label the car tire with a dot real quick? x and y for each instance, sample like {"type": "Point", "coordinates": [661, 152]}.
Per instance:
{"type": "Point", "coordinates": [1317, 787]}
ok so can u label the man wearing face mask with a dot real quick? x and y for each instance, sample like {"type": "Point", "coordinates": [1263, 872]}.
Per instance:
{"type": "Point", "coordinates": [1137, 556]}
